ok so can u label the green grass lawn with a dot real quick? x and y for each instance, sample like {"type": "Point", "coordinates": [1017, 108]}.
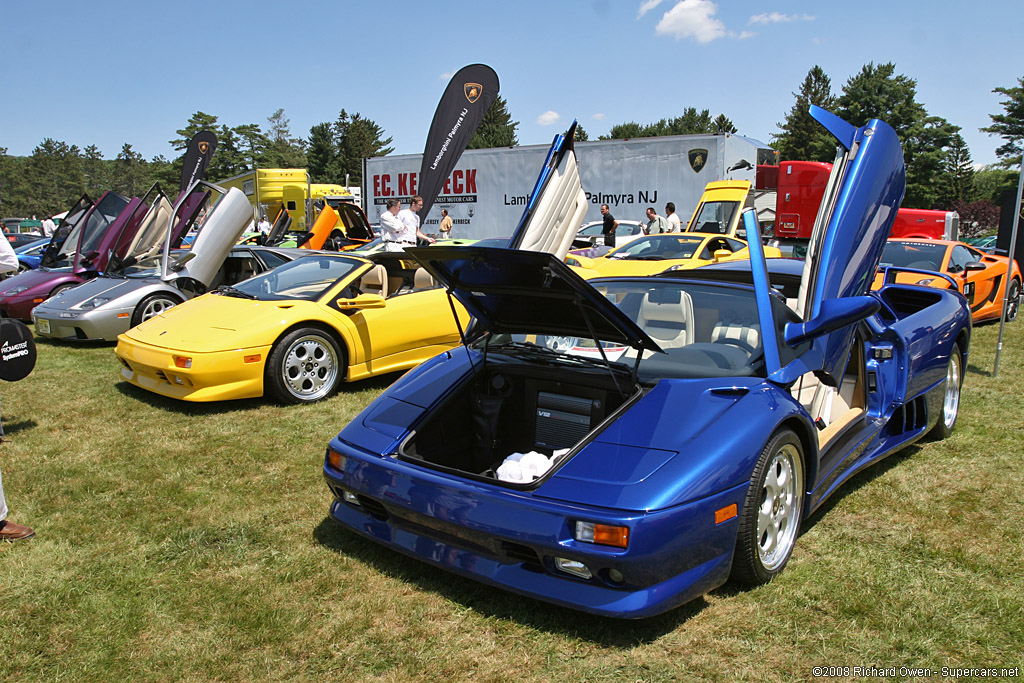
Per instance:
{"type": "Point", "coordinates": [191, 542]}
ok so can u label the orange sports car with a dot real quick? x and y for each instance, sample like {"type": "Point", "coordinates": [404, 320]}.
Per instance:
{"type": "Point", "coordinates": [942, 263]}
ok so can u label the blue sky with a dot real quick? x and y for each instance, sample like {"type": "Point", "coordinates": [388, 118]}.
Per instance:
{"type": "Point", "coordinates": [110, 72]}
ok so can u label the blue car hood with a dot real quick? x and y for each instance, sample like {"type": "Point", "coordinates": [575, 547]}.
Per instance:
{"type": "Point", "coordinates": [651, 459]}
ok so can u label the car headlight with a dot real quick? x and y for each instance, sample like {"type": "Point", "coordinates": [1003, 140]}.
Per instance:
{"type": "Point", "coordinates": [96, 301]}
{"type": "Point", "coordinates": [925, 281]}
{"type": "Point", "coordinates": [675, 267]}
{"type": "Point", "coordinates": [15, 290]}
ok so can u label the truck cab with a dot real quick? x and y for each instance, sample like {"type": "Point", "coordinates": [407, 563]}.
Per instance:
{"type": "Point", "coordinates": [718, 211]}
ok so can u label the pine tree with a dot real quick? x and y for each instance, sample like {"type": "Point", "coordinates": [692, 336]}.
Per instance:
{"type": "Point", "coordinates": [283, 151]}
{"type": "Point", "coordinates": [876, 92]}
{"type": "Point", "coordinates": [321, 153]}
{"type": "Point", "coordinates": [496, 129]}
{"type": "Point", "coordinates": [957, 179]}
{"type": "Point", "coordinates": [690, 122]}
{"type": "Point", "coordinates": [131, 173]}
{"type": "Point", "coordinates": [722, 124]}
{"type": "Point", "coordinates": [801, 137]}
{"type": "Point", "coordinates": [1009, 126]}
{"type": "Point", "coordinates": [252, 146]}
{"type": "Point", "coordinates": [357, 138]}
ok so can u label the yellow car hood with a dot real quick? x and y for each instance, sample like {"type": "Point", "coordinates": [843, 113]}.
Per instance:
{"type": "Point", "coordinates": [216, 323]}
{"type": "Point", "coordinates": [626, 267]}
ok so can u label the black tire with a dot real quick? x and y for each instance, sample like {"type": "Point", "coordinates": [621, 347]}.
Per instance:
{"type": "Point", "coordinates": [152, 306]}
{"type": "Point", "coordinates": [60, 288]}
{"type": "Point", "coordinates": [1013, 301]}
{"type": "Point", "coordinates": [951, 396]}
{"type": "Point", "coordinates": [771, 512]}
{"type": "Point", "coordinates": [305, 365]}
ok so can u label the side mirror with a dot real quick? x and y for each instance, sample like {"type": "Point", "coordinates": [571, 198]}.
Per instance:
{"type": "Point", "coordinates": [721, 254]}
{"type": "Point", "coordinates": [178, 265]}
{"type": "Point", "coordinates": [835, 315]}
{"type": "Point", "coordinates": [361, 301]}
{"type": "Point", "coordinates": [974, 266]}
{"type": "Point", "coordinates": [579, 261]}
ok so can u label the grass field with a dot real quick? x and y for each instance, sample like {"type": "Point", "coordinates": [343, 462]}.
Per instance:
{"type": "Point", "coordinates": [191, 542]}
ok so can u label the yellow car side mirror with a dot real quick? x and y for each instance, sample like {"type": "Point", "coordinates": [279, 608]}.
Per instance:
{"type": "Point", "coordinates": [722, 254]}
{"type": "Point", "coordinates": [362, 301]}
{"type": "Point", "coordinates": [579, 261]}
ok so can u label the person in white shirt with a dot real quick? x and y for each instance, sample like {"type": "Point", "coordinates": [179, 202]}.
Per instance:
{"type": "Point", "coordinates": [396, 235]}
{"type": "Point", "coordinates": [263, 226]}
{"type": "Point", "coordinates": [48, 227]}
{"type": "Point", "coordinates": [9, 531]}
{"type": "Point", "coordinates": [674, 224]}
{"type": "Point", "coordinates": [411, 219]}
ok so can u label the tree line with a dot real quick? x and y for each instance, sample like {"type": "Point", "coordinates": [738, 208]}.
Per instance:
{"type": "Point", "coordinates": [940, 172]}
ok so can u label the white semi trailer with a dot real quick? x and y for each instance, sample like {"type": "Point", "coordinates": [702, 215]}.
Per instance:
{"type": "Point", "coordinates": [486, 193]}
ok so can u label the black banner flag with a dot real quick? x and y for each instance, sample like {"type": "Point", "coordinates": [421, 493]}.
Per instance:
{"type": "Point", "coordinates": [465, 101]}
{"type": "Point", "coordinates": [17, 350]}
{"type": "Point", "coordinates": [197, 157]}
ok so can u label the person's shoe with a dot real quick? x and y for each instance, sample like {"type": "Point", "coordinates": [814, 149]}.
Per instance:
{"type": "Point", "coordinates": [9, 531]}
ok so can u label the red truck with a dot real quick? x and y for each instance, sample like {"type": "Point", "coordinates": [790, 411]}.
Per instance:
{"type": "Point", "coordinates": [799, 187]}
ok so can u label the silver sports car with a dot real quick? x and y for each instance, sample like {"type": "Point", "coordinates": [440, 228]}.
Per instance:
{"type": "Point", "coordinates": [153, 279]}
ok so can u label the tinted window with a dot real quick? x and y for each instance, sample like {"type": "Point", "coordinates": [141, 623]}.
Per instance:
{"type": "Point", "coordinates": [920, 255]}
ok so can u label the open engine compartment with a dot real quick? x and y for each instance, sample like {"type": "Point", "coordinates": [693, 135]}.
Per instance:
{"type": "Point", "coordinates": [505, 408]}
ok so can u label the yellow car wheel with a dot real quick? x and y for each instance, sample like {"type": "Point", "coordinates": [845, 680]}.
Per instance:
{"type": "Point", "coordinates": [304, 366]}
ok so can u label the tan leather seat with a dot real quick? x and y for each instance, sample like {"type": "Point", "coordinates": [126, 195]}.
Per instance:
{"type": "Point", "coordinates": [375, 281]}
{"type": "Point", "coordinates": [665, 320]}
{"type": "Point", "coordinates": [422, 279]}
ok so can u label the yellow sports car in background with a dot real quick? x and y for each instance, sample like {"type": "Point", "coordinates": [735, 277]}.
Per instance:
{"type": "Point", "coordinates": [654, 254]}
{"type": "Point", "coordinates": [294, 332]}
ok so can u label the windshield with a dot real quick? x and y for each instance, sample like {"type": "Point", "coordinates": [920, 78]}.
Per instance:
{"type": "Point", "coordinates": [918, 255]}
{"type": "Point", "coordinates": [705, 330]}
{"type": "Point", "coordinates": [659, 247]}
{"type": "Point", "coordinates": [307, 278]}
{"type": "Point", "coordinates": [96, 225]}
{"type": "Point", "coordinates": [715, 217]}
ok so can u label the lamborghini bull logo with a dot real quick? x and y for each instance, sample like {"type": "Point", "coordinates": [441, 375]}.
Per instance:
{"type": "Point", "coordinates": [473, 91]}
{"type": "Point", "coordinates": [204, 147]}
{"type": "Point", "coordinates": [698, 158]}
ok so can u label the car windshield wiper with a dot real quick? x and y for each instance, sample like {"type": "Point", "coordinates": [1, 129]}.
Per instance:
{"type": "Point", "coordinates": [228, 290]}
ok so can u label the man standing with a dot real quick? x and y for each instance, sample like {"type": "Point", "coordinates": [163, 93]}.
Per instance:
{"type": "Point", "coordinates": [608, 228]}
{"type": "Point", "coordinates": [263, 226]}
{"type": "Point", "coordinates": [411, 219]}
{"type": "Point", "coordinates": [48, 227]}
{"type": "Point", "coordinates": [655, 223]}
{"type": "Point", "coordinates": [446, 225]}
{"type": "Point", "coordinates": [396, 235]}
{"type": "Point", "coordinates": [672, 219]}
{"type": "Point", "coordinates": [9, 531]}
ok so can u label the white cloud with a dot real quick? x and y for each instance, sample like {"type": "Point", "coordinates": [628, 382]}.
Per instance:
{"type": "Point", "coordinates": [547, 118]}
{"type": "Point", "coordinates": [598, 116]}
{"type": "Point", "coordinates": [778, 18]}
{"type": "Point", "coordinates": [446, 76]}
{"type": "Point", "coordinates": [692, 19]}
{"type": "Point", "coordinates": [647, 7]}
